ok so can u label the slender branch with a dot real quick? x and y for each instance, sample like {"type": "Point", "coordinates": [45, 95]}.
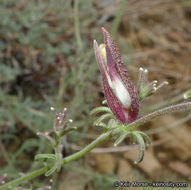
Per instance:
{"type": "Point", "coordinates": [26, 177]}
{"type": "Point", "coordinates": [170, 126]}
{"type": "Point", "coordinates": [102, 138]}
{"type": "Point", "coordinates": [4, 152]}
{"type": "Point", "coordinates": [163, 111]}
{"type": "Point", "coordinates": [119, 149]}
{"type": "Point", "coordinates": [118, 18]}
{"type": "Point", "coordinates": [76, 24]}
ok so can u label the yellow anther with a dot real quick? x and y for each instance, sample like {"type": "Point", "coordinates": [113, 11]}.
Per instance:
{"type": "Point", "coordinates": [103, 50]}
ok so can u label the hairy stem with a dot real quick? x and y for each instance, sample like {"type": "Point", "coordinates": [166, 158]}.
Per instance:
{"type": "Point", "coordinates": [26, 177]}
{"type": "Point", "coordinates": [163, 111]}
{"type": "Point", "coordinates": [102, 138]}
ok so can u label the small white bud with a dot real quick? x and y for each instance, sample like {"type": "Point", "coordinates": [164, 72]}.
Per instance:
{"type": "Point", "coordinates": [52, 108]}
{"type": "Point", "coordinates": [46, 133]}
{"type": "Point", "coordinates": [70, 120]}
{"type": "Point", "coordinates": [104, 102]}
{"type": "Point", "coordinates": [185, 96]}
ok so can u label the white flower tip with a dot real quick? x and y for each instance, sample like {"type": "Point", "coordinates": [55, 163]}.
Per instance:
{"type": "Point", "coordinates": [141, 69]}
{"type": "Point", "coordinates": [52, 108]}
{"type": "Point", "coordinates": [95, 43]}
{"type": "Point", "coordinates": [65, 109]}
{"type": "Point", "coordinates": [104, 102]}
{"type": "Point", "coordinates": [38, 133]}
{"type": "Point", "coordinates": [46, 133]}
{"type": "Point", "coordinates": [185, 96]}
{"type": "Point", "coordinates": [155, 89]}
{"type": "Point", "coordinates": [70, 120]}
{"type": "Point", "coordinates": [155, 81]}
{"type": "Point", "coordinates": [145, 71]}
{"type": "Point", "coordinates": [166, 82]}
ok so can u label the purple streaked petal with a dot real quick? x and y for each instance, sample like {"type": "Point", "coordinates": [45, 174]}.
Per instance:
{"type": "Point", "coordinates": [116, 107]}
{"type": "Point", "coordinates": [112, 101]}
{"type": "Point", "coordinates": [117, 65]}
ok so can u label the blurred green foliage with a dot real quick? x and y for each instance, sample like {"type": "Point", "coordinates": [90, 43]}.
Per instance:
{"type": "Point", "coordinates": [41, 66]}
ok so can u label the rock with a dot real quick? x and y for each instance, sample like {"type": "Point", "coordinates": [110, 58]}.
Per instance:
{"type": "Point", "coordinates": [152, 16]}
{"type": "Point", "coordinates": [150, 165]}
{"type": "Point", "coordinates": [175, 36]}
{"type": "Point", "coordinates": [144, 38]}
{"type": "Point", "coordinates": [124, 170]}
{"type": "Point", "coordinates": [105, 163]}
{"type": "Point", "coordinates": [125, 173]}
{"type": "Point", "coordinates": [70, 181]}
{"type": "Point", "coordinates": [180, 168]}
{"type": "Point", "coordinates": [179, 138]}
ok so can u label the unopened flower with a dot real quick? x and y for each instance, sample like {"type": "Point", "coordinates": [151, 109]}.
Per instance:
{"type": "Point", "coordinates": [119, 90]}
{"type": "Point", "coordinates": [146, 88]}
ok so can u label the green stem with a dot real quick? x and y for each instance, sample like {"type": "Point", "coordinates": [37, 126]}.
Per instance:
{"type": "Point", "coordinates": [102, 138]}
{"type": "Point", "coordinates": [163, 111]}
{"type": "Point", "coordinates": [76, 24]}
{"type": "Point", "coordinates": [117, 19]}
{"type": "Point", "coordinates": [26, 177]}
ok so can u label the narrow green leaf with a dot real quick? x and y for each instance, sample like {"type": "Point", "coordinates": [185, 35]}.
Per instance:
{"type": "Point", "coordinates": [100, 109]}
{"type": "Point", "coordinates": [121, 138]}
{"type": "Point", "coordinates": [103, 117]}
{"type": "Point", "coordinates": [146, 137]}
{"type": "Point", "coordinates": [45, 156]}
{"type": "Point", "coordinates": [51, 171]}
{"type": "Point", "coordinates": [141, 147]}
{"type": "Point", "coordinates": [111, 124]}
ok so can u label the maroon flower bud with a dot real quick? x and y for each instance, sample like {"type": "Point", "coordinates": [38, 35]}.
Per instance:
{"type": "Point", "coordinates": [119, 90]}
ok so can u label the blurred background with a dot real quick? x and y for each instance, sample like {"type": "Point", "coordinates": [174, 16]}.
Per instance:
{"type": "Point", "coordinates": [47, 59]}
